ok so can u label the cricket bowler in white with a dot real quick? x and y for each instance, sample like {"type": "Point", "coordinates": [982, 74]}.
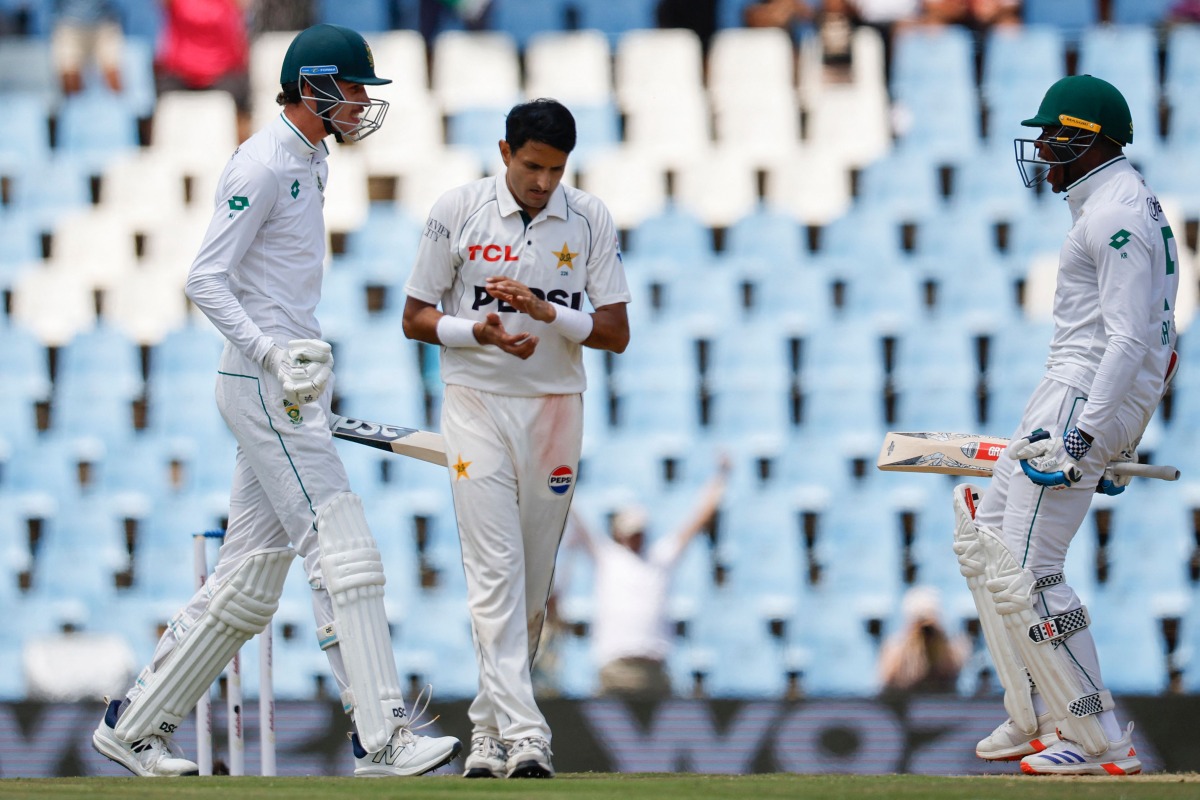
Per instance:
{"type": "Point", "coordinates": [510, 260]}
{"type": "Point", "coordinates": [258, 279]}
{"type": "Point", "coordinates": [1112, 354]}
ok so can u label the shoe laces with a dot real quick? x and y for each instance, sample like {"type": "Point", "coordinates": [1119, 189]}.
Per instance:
{"type": "Point", "coordinates": [153, 749]}
{"type": "Point", "coordinates": [533, 743]}
{"type": "Point", "coordinates": [406, 732]}
{"type": "Point", "coordinates": [487, 747]}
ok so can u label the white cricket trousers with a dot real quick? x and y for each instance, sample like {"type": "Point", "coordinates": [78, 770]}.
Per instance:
{"type": "Point", "coordinates": [513, 463]}
{"type": "Point", "coordinates": [286, 471]}
{"type": "Point", "coordinates": [1038, 524]}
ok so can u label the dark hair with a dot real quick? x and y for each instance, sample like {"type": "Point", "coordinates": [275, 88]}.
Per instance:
{"type": "Point", "coordinates": [542, 120]}
{"type": "Point", "coordinates": [290, 94]}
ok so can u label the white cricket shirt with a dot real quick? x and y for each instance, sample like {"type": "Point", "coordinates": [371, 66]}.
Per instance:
{"type": "Point", "coordinates": [1114, 317]}
{"type": "Point", "coordinates": [258, 273]}
{"type": "Point", "coordinates": [567, 254]}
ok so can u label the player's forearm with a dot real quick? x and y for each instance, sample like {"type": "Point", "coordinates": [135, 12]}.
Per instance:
{"type": "Point", "coordinates": [210, 293]}
{"type": "Point", "coordinates": [610, 329]}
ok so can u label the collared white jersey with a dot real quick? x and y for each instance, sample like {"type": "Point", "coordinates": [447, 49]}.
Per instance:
{"type": "Point", "coordinates": [259, 270]}
{"type": "Point", "coordinates": [567, 253]}
{"type": "Point", "coordinates": [1114, 306]}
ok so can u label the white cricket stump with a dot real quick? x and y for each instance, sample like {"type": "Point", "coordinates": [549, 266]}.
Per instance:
{"type": "Point", "coordinates": [235, 731]}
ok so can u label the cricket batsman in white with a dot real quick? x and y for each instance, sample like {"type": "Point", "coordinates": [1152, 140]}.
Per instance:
{"type": "Point", "coordinates": [258, 279]}
{"type": "Point", "coordinates": [510, 259]}
{"type": "Point", "coordinates": [1112, 355]}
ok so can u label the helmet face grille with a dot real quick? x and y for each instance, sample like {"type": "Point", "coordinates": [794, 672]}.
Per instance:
{"type": "Point", "coordinates": [1035, 157]}
{"type": "Point", "coordinates": [323, 90]}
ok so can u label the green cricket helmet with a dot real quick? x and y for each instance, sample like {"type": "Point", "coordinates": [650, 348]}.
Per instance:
{"type": "Point", "coordinates": [1080, 108]}
{"type": "Point", "coordinates": [317, 59]}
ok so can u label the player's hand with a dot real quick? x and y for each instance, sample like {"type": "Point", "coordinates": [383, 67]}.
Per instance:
{"type": "Point", "coordinates": [520, 297]}
{"type": "Point", "coordinates": [303, 371]}
{"type": "Point", "coordinates": [492, 331]}
{"type": "Point", "coordinates": [1050, 461]}
{"type": "Point", "coordinates": [1111, 483]}
{"type": "Point", "coordinates": [312, 364]}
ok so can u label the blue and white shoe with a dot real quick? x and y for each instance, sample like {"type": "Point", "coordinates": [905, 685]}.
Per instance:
{"type": "Point", "coordinates": [151, 757]}
{"type": "Point", "coordinates": [1065, 757]}
{"type": "Point", "coordinates": [405, 754]}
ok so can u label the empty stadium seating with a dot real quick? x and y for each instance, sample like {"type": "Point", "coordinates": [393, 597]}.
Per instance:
{"type": "Point", "coordinates": [812, 261]}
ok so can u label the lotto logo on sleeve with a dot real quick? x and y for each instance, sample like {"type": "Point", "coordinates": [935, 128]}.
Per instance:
{"type": "Point", "coordinates": [560, 479]}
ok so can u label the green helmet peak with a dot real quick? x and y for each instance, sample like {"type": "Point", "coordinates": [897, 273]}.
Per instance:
{"type": "Point", "coordinates": [334, 50]}
{"type": "Point", "coordinates": [1088, 103]}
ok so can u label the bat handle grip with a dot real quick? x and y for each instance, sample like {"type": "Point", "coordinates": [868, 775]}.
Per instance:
{"type": "Point", "coordinates": [1163, 472]}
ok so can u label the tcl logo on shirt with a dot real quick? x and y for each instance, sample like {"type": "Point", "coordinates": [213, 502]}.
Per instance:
{"type": "Point", "coordinates": [559, 296]}
{"type": "Point", "coordinates": [491, 252]}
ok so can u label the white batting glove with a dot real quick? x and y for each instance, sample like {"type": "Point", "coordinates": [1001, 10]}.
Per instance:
{"type": "Point", "coordinates": [1050, 461]}
{"type": "Point", "coordinates": [312, 366]}
{"type": "Point", "coordinates": [303, 371]}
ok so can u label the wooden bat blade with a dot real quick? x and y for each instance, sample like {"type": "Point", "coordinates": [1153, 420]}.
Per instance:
{"type": "Point", "coordinates": [411, 442]}
{"type": "Point", "coordinates": [973, 454]}
{"type": "Point", "coordinates": [942, 453]}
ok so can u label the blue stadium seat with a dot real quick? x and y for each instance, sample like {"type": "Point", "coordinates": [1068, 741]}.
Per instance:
{"type": "Point", "coordinates": [1022, 58]}
{"type": "Point", "coordinates": [523, 19]}
{"type": "Point", "coordinates": [987, 187]}
{"type": "Point", "coordinates": [137, 73]}
{"type": "Point", "coordinates": [141, 19]}
{"type": "Point", "coordinates": [100, 361]}
{"type": "Point", "coordinates": [96, 127]}
{"type": "Point", "coordinates": [674, 233]}
{"type": "Point", "coordinates": [388, 231]}
{"type": "Point", "coordinates": [615, 17]}
{"type": "Point", "coordinates": [767, 233]}
{"type": "Point", "coordinates": [28, 139]}
{"type": "Point", "coordinates": [598, 130]}
{"type": "Point", "coordinates": [45, 189]}
{"type": "Point", "coordinates": [1139, 12]}
{"type": "Point", "coordinates": [475, 129]}
{"type": "Point", "coordinates": [1182, 74]}
{"type": "Point", "coordinates": [1127, 57]}
{"type": "Point", "coordinates": [365, 16]}
{"type": "Point", "coordinates": [864, 237]}
{"type": "Point", "coordinates": [22, 237]}
{"type": "Point", "coordinates": [903, 184]}
{"type": "Point", "coordinates": [25, 66]}
{"type": "Point", "coordinates": [935, 378]}
{"type": "Point", "coordinates": [1071, 17]}
{"type": "Point", "coordinates": [928, 55]}
{"type": "Point", "coordinates": [745, 660]}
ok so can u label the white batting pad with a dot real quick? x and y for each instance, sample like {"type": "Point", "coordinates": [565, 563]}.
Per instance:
{"type": "Point", "coordinates": [239, 608]}
{"type": "Point", "coordinates": [972, 563]}
{"type": "Point", "coordinates": [353, 572]}
{"type": "Point", "coordinates": [1075, 708]}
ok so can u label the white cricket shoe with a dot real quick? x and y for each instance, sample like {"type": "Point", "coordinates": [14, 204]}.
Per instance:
{"type": "Point", "coordinates": [1067, 758]}
{"type": "Point", "coordinates": [151, 757]}
{"type": "Point", "coordinates": [405, 754]}
{"type": "Point", "coordinates": [1008, 743]}
{"type": "Point", "coordinates": [488, 758]}
{"type": "Point", "coordinates": [530, 758]}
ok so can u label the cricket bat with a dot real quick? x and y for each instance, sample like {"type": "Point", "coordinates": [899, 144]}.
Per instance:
{"type": "Point", "coordinates": [424, 445]}
{"type": "Point", "coordinates": [972, 454]}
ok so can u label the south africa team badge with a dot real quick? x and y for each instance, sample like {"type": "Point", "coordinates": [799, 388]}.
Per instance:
{"type": "Point", "coordinates": [560, 479]}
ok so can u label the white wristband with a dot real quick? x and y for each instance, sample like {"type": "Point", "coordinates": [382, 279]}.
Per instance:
{"type": "Point", "coordinates": [572, 324]}
{"type": "Point", "coordinates": [456, 332]}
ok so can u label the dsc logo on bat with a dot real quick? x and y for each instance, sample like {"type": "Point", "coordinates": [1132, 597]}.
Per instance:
{"type": "Point", "coordinates": [984, 451]}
